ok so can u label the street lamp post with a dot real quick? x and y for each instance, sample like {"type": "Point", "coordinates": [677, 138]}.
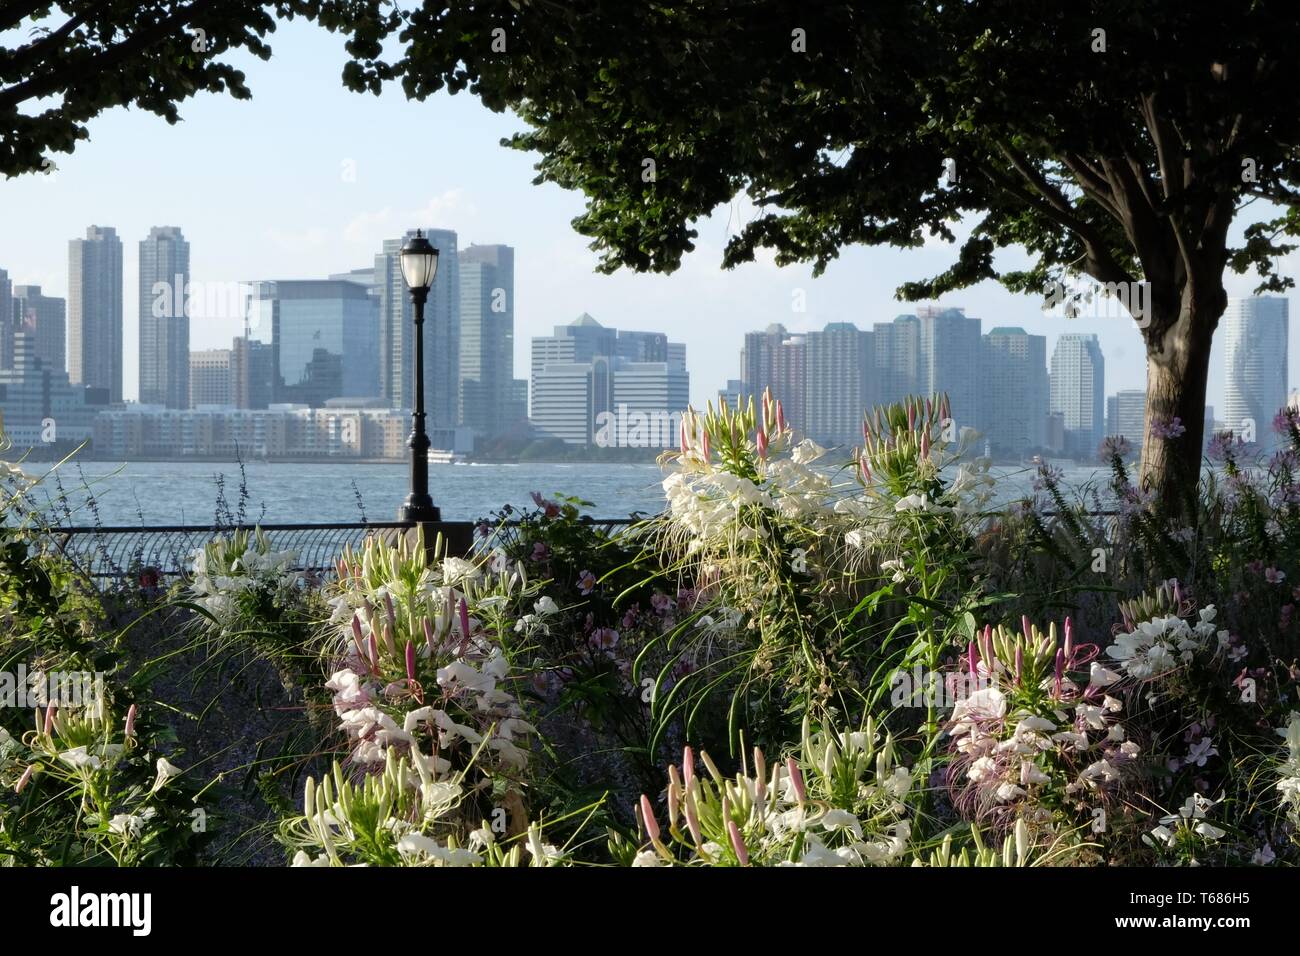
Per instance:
{"type": "Point", "coordinates": [419, 265]}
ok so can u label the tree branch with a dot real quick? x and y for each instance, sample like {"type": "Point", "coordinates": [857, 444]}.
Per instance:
{"type": "Point", "coordinates": [137, 42]}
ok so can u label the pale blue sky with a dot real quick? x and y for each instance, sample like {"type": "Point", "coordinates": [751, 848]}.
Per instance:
{"type": "Point", "coordinates": [260, 191]}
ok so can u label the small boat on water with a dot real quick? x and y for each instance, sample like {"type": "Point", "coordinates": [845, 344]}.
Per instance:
{"type": "Point", "coordinates": [441, 456]}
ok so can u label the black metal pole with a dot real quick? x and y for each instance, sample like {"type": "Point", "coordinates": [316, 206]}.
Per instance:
{"type": "Point", "coordinates": [419, 506]}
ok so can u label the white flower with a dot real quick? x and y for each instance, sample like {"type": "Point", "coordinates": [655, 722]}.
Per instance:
{"type": "Point", "coordinates": [462, 674]}
{"type": "Point", "coordinates": [128, 825]}
{"type": "Point", "coordinates": [1209, 831]}
{"type": "Point", "coordinates": [418, 848]}
{"type": "Point", "coordinates": [457, 570]}
{"type": "Point", "coordinates": [986, 704]}
{"type": "Point", "coordinates": [78, 758]}
{"type": "Point", "coordinates": [1099, 676]}
{"type": "Point", "coordinates": [647, 858]}
{"type": "Point", "coordinates": [841, 820]}
{"type": "Point", "coordinates": [302, 858]}
{"type": "Point", "coordinates": [543, 854]}
{"type": "Point", "coordinates": [1201, 751]}
{"type": "Point", "coordinates": [166, 770]}
{"type": "Point", "coordinates": [545, 606]}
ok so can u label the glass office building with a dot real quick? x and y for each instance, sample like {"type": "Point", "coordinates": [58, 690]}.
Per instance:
{"type": "Point", "coordinates": [324, 337]}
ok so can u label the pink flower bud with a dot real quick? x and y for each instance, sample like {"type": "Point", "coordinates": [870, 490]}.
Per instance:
{"type": "Point", "coordinates": [357, 636]}
{"type": "Point", "coordinates": [780, 417]}
{"type": "Point", "coordinates": [796, 779]}
{"type": "Point", "coordinates": [705, 451]}
{"type": "Point", "coordinates": [410, 661]}
{"type": "Point", "coordinates": [762, 445]}
{"type": "Point", "coordinates": [972, 658]}
{"type": "Point", "coordinates": [49, 718]}
{"type": "Point", "coordinates": [693, 819]}
{"type": "Point", "coordinates": [925, 443]}
{"type": "Point", "coordinates": [388, 609]}
{"type": "Point", "coordinates": [1020, 661]}
{"type": "Point", "coordinates": [130, 721]}
{"type": "Point", "coordinates": [426, 625]}
{"type": "Point", "coordinates": [25, 778]}
{"type": "Point", "coordinates": [738, 843]}
{"type": "Point", "coordinates": [684, 439]}
{"type": "Point", "coordinates": [464, 618]}
{"type": "Point", "coordinates": [1025, 627]}
{"type": "Point", "coordinates": [1069, 639]}
{"type": "Point", "coordinates": [374, 651]}
{"type": "Point", "coordinates": [688, 766]}
{"type": "Point", "coordinates": [648, 819]}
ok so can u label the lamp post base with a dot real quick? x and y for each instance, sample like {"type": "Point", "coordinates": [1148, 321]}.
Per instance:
{"type": "Point", "coordinates": [419, 512]}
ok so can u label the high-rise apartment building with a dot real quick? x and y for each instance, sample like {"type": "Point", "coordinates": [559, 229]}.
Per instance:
{"type": "Point", "coordinates": [838, 379]}
{"type": "Point", "coordinates": [775, 359]}
{"type": "Point", "coordinates": [164, 318]}
{"type": "Point", "coordinates": [487, 338]}
{"type": "Point", "coordinates": [441, 330]}
{"type": "Point", "coordinates": [1078, 389]}
{"type": "Point", "coordinates": [950, 361]}
{"type": "Point", "coordinates": [1255, 365]}
{"type": "Point", "coordinates": [210, 378]}
{"type": "Point", "coordinates": [95, 311]}
{"type": "Point", "coordinates": [43, 317]}
{"type": "Point", "coordinates": [897, 352]}
{"type": "Point", "coordinates": [1014, 392]}
{"type": "Point", "coordinates": [1126, 412]}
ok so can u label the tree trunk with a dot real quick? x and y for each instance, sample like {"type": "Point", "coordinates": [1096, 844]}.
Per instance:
{"type": "Point", "coordinates": [1178, 365]}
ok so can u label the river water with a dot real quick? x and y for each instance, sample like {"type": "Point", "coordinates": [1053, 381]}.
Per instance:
{"type": "Point", "coordinates": [154, 493]}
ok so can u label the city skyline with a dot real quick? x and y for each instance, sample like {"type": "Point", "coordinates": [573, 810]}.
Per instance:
{"type": "Point", "coordinates": [328, 213]}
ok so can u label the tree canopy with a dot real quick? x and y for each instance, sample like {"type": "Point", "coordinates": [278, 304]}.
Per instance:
{"type": "Point", "coordinates": [1115, 139]}
{"type": "Point", "coordinates": [63, 64]}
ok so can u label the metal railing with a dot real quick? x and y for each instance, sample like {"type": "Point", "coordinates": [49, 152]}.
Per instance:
{"type": "Point", "coordinates": [118, 551]}
{"type": "Point", "coordinates": [123, 550]}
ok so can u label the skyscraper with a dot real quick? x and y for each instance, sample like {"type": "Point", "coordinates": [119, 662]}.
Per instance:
{"type": "Point", "coordinates": [1255, 365]}
{"type": "Point", "coordinates": [95, 311]}
{"type": "Point", "coordinates": [487, 338]}
{"type": "Point", "coordinates": [1126, 416]}
{"type": "Point", "coordinates": [776, 359]}
{"type": "Point", "coordinates": [44, 317]}
{"type": "Point", "coordinates": [1078, 383]}
{"type": "Point", "coordinates": [837, 392]}
{"type": "Point", "coordinates": [252, 373]}
{"type": "Point", "coordinates": [897, 349]}
{"type": "Point", "coordinates": [7, 321]}
{"type": "Point", "coordinates": [324, 338]}
{"type": "Point", "coordinates": [441, 331]}
{"type": "Point", "coordinates": [1014, 391]}
{"type": "Point", "coordinates": [950, 360]}
{"type": "Point", "coordinates": [164, 318]}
